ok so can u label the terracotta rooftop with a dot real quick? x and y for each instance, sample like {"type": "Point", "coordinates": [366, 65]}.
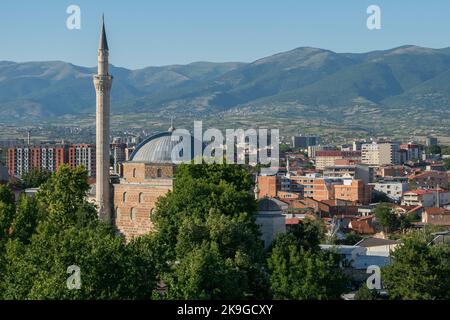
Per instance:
{"type": "Point", "coordinates": [437, 211]}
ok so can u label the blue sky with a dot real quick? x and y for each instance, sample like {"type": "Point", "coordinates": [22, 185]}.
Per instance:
{"type": "Point", "coordinates": [160, 32]}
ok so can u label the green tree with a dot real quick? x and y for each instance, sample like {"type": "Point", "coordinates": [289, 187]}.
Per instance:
{"type": "Point", "coordinates": [63, 194]}
{"type": "Point", "coordinates": [211, 215]}
{"type": "Point", "coordinates": [6, 195]}
{"type": "Point", "coordinates": [445, 150]}
{"type": "Point", "coordinates": [299, 274]}
{"type": "Point", "coordinates": [35, 178]}
{"type": "Point", "coordinates": [419, 271]}
{"type": "Point", "coordinates": [7, 211]}
{"type": "Point", "coordinates": [350, 239]}
{"type": "Point", "coordinates": [205, 274]}
{"type": "Point", "coordinates": [68, 233]}
{"type": "Point", "coordinates": [364, 293]}
{"type": "Point", "coordinates": [434, 150]}
{"type": "Point", "coordinates": [386, 218]}
{"type": "Point", "coordinates": [308, 234]}
{"type": "Point", "coordinates": [447, 163]}
{"type": "Point", "coordinates": [285, 148]}
{"type": "Point", "coordinates": [26, 219]}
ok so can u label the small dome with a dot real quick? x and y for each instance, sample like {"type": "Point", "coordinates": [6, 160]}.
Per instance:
{"type": "Point", "coordinates": [268, 204]}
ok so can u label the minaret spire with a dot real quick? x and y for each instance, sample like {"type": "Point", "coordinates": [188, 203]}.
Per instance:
{"type": "Point", "coordinates": [103, 83]}
{"type": "Point", "coordinates": [288, 168]}
{"type": "Point", "coordinates": [103, 39]}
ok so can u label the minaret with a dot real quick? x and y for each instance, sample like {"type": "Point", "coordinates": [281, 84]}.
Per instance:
{"type": "Point", "coordinates": [103, 83]}
{"type": "Point", "coordinates": [288, 168]}
{"type": "Point", "coordinates": [256, 190]}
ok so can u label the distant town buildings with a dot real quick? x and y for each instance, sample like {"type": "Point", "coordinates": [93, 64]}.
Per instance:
{"type": "Point", "coordinates": [28, 158]}
{"type": "Point", "coordinates": [431, 141]}
{"type": "Point", "coordinates": [429, 179]}
{"type": "Point", "coordinates": [379, 154]}
{"type": "Point", "coordinates": [331, 158]}
{"type": "Point", "coordinates": [436, 216]}
{"type": "Point", "coordinates": [303, 142]}
{"type": "Point", "coordinates": [392, 189]}
{"type": "Point", "coordinates": [426, 198]}
{"type": "Point", "coordinates": [83, 155]}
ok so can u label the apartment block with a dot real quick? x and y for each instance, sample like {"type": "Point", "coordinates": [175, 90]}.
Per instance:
{"type": "Point", "coordinates": [328, 158]}
{"type": "Point", "coordinates": [379, 154]}
{"type": "Point", "coordinates": [21, 160]}
{"type": "Point", "coordinates": [83, 155]}
{"type": "Point", "coordinates": [394, 190]}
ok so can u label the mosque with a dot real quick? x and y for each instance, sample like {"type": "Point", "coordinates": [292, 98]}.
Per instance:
{"type": "Point", "coordinates": [128, 203]}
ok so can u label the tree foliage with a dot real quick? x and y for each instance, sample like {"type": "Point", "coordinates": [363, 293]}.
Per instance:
{"type": "Point", "coordinates": [59, 229]}
{"type": "Point", "coordinates": [210, 216]}
{"type": "Point", "coordinates": [386, 218]}
{"type": "Point", "coordinates": [298, 273]}
{"type": "Point", "coordinates": [419, 271]}
{"type": "Point", "coordinates": [35, 178]}
{"type": "Point", "coordinates": [364, 293]}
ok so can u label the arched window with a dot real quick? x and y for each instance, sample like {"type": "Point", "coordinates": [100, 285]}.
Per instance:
{"type": "Point", "coordinates": [124, 198]}
{"type": "Point", "coordinates": [134, 173]}
{"type": "Point", "coordinates": [141, 197]}
{"type": "Point", "coordinates": [151, 212]}
{"type": "Point", "coordinates": [159, 173]}
{"type": "Point", "coordinates": [117, 213]}
{"type": "Point", "coordinates": [133, 214]}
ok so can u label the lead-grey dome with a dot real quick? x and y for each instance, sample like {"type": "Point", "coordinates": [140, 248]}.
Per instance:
{"type": "Point", "coordinates": [267, 204]}
{"type": "Point", "coordinates": [156, 149]}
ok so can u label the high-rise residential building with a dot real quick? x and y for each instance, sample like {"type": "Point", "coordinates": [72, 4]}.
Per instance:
{"type": "Point", "coordinates": [23, 159]}
{"type": "Point", "coordinates": [379, 154]}
{"type": "Point", "coordinates": [83, 155]}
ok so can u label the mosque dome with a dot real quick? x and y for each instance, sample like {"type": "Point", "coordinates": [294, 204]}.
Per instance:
{"type": "Point", "coordinates": [158, 149]}
{"type": "Point", "coordinates": [270, 205]}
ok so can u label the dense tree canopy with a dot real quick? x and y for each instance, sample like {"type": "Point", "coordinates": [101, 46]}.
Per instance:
{"type": "Point", "coordinates": [386, 218]}
{"type": "Point", "coordinates": [210, 217]}
{"type": "Point", "coordinates": [59, 229]}
{"type": "Point", "coordinates": [300, 270]}
{"type": "Point", "coordinates": [35, 178]}
{"type": "Point", "coordinates": [419, 270]}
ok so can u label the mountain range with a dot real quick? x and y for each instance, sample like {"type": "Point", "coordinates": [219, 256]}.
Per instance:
{"type": "Point", "coordinates": [400, 78]}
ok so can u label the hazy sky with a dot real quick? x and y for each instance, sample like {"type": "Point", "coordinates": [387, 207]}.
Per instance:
{"type": "Point", "coordinates": [159, 32]}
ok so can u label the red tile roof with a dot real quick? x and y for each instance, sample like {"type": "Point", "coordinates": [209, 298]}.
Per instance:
{"type": "Point", "coordinates": [437, 211]}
